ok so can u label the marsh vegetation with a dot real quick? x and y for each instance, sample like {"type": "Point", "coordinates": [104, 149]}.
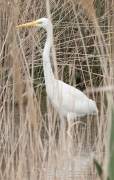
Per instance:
{"type": "Point", "coordinates": [29, 126]}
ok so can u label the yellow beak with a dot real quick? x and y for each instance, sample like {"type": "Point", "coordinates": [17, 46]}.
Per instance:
{"type": "Point", "coordinates": [28, 24]}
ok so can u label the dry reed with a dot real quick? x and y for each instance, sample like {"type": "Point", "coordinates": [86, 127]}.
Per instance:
{"type": "Point", "coordinates": [29, 127]}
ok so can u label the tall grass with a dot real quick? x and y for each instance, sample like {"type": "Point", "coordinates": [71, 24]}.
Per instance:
{"type": "Point", "coordinates": [30, 137]}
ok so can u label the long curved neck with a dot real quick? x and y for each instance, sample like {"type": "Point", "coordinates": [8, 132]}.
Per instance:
{"type": "Point", "coordinates": [49, 77]}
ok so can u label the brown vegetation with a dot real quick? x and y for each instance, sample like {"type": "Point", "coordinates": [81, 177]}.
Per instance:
{"type": "Point", "coordinates": [29, 127]}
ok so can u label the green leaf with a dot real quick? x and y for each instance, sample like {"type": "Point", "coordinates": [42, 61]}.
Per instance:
{"type": "Point", "coordinates": [99, 168]}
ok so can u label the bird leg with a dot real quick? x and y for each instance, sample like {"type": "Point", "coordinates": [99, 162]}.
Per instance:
{"type": "Point", "coordinates": [70, 123]}
{"type": "Point", "coordinates": [69, 129]}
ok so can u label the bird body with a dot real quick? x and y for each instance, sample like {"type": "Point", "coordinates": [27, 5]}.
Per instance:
{"type": "Point", "coordinates": [68, 101]}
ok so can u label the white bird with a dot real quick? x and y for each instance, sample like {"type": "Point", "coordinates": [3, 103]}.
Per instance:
{"type": "Point", "coordinates": [68, 101]}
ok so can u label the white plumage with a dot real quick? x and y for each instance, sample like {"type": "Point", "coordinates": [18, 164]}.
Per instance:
{"type": "Point", "coordinates": [67, 100]}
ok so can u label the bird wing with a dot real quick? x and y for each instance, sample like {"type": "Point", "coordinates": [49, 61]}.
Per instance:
{"type": "Point", "coordinates": [73, 100]}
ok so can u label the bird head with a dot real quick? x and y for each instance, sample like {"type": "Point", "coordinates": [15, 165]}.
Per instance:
{"type": "Point", "coordinates": [42, 22]}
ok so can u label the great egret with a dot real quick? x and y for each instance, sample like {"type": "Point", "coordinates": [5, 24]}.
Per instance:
{"type": "Point", "coordinates": [68, 101]}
